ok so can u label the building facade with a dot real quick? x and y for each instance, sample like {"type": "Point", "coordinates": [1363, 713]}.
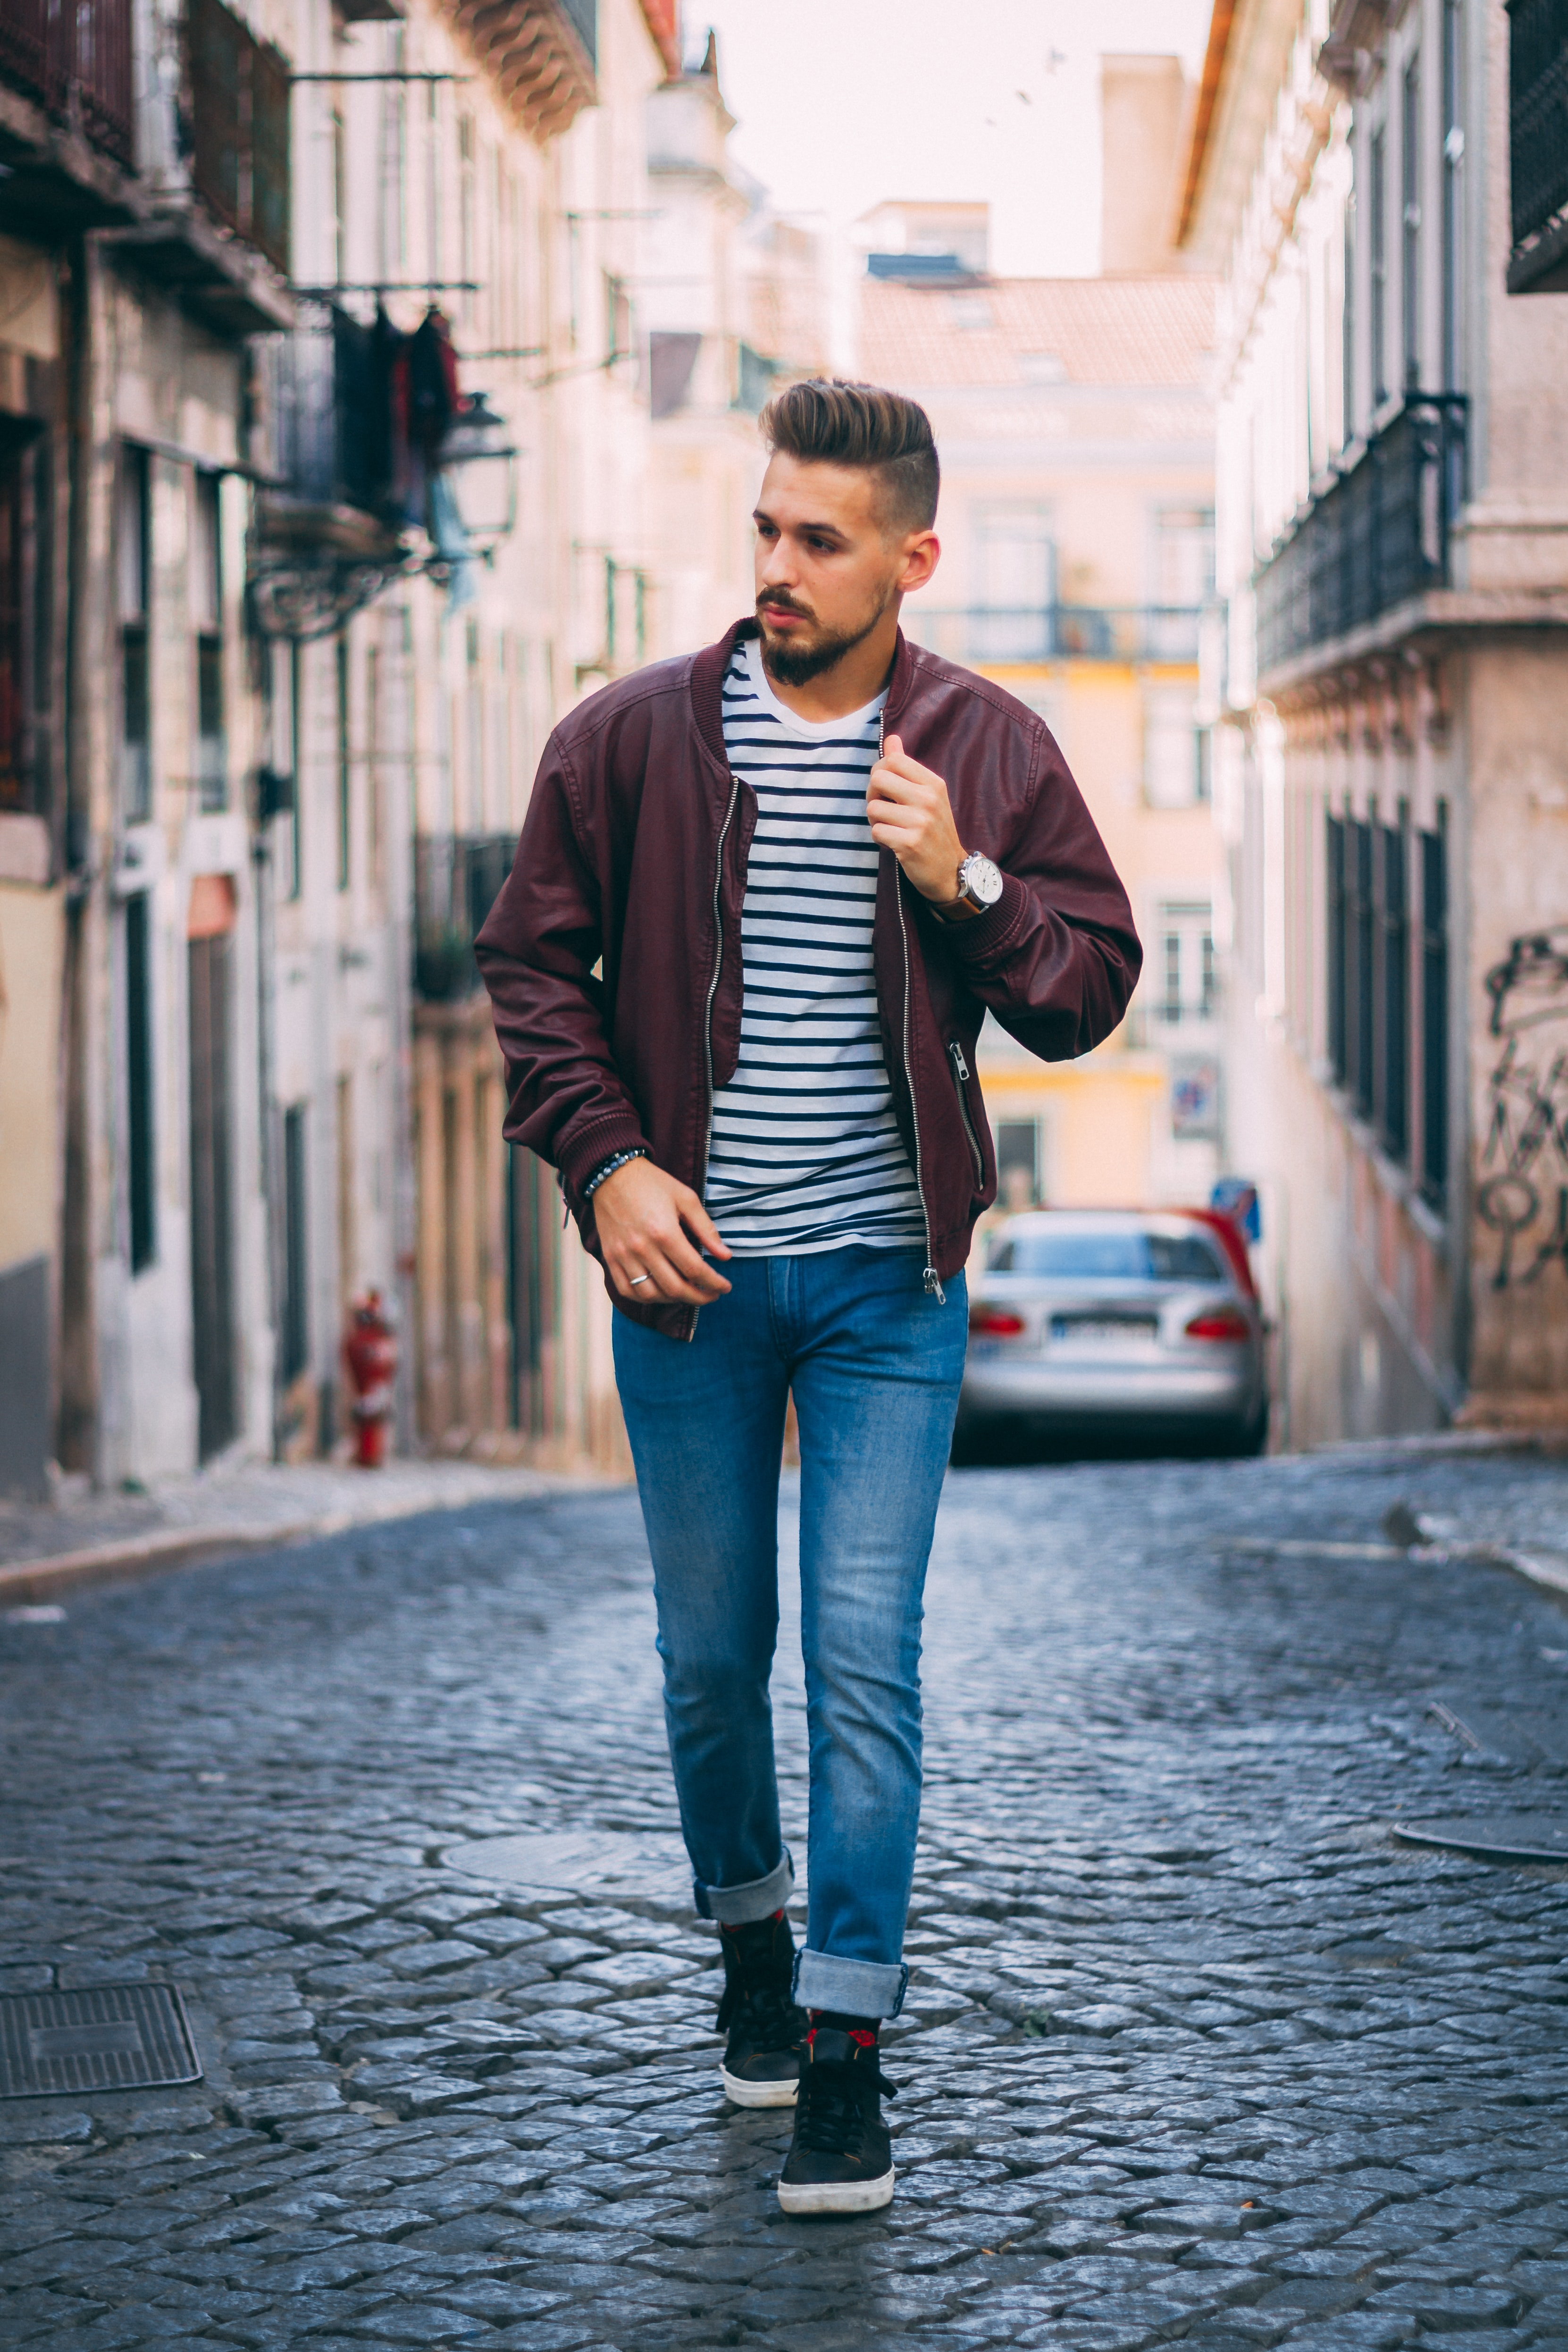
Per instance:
{"type": "Point", "coordinates": [1075, 429]}
{"type": "Point", "coordinates": [1390, 692]}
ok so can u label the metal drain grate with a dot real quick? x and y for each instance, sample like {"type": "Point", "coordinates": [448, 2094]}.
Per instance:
{"type": "Point", "coordinates": [109, 2038]}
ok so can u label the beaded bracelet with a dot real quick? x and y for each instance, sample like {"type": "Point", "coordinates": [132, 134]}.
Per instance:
{"type": "Point", "coordinates": [608, 1167]}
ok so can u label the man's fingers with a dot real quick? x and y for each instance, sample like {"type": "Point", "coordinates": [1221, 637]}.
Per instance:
{"type": "Point", "coordinates": [666, 1282]}
{"type": "Point", "coordinates": [696, 1218]}
{"type": "Point", "coordinates": [679, 1253]}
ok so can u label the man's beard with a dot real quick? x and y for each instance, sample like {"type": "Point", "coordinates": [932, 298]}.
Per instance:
{"type": "Point", "coordinates": [794, 664]}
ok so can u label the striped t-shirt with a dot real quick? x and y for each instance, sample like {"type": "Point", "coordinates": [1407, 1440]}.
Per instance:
{"type": "Point", "coordinates": [806, 1154]}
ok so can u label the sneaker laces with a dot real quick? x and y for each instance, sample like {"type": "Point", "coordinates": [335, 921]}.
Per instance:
{"type": "Point", "coordinates": [831, 2113]}
{"type": "Point", "coordinates": [771, 2017]}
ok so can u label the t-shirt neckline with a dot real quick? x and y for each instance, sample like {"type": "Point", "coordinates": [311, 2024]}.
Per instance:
{"type": "Point", "coordinates": [812, 730]}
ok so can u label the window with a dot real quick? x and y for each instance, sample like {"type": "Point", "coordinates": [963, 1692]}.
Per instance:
{"type": "Point", "coordinates": [1183, 558]}
{"type": "Point", "coordinates": [1171, 761]}
{"type": "Point", "coordinates": [142, 1170]}
{"type": "Point", "coordinates": [1338, 902]}
{"type": "Point", "coordinates": [297, 820]}
{"type": "Point", "coordinates": [1378, 158]}
{"type": "Point", "coordinates": [1015, 582]}
{"type": "Point", "coordinates": [345, 766]}
{"type": "Point", "coordinates": [617, 320]}
{"type": "Point", "coordinates": [1434, 1016]}
{"type": "Point", "coordinates": [1369, 948]}
{"type": "Point", "coordinates": [1109, 1257]}
{"type": "Point", "coordinates": [1347, 353]}
{"type": "Point", "coordinates": [295, 1333]}
{"type": "Point", "coordinates": [18, 677]}
{"type": "Point", "coordinates": [1184, 968]}
{"type": "Point", "coordinates": [1410, 174]}
{"type": "Point", "coordinates": [1394, 992]}
{"type": "Point", "coordinates": [1018, 1163]}
{"type": "Point", "coordinates": [134, 569]}
{"type": "Point", "coordinates": [207, 612]}
{"type": "Point", "coordinates": [1453, 195]}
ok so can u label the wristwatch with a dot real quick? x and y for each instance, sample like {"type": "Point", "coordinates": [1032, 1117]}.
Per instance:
{"type": "Point", "coordinates": [980, 888]}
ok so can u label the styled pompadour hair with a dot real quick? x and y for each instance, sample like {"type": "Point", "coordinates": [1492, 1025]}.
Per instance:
{"type": "Point", "coordinates": [828, 422]}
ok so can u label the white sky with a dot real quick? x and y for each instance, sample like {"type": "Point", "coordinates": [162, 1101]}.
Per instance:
{"type": "Point", "coordinates": [841, 103]}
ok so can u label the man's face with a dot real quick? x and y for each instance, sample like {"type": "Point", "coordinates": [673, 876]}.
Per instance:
{"type": "Point", "coordinates": [827, 566]}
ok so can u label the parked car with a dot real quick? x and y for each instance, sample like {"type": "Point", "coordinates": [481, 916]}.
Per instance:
{"type": "Point", "coordinates": [1106, 1323]}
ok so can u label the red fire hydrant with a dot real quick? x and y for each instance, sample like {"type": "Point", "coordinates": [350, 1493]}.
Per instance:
{"type": "Point", "coordinates": [370, 1351]}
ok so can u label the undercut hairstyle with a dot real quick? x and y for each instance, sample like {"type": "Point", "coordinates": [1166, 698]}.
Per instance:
{"type": "Point", "coordinates": [828, 422]}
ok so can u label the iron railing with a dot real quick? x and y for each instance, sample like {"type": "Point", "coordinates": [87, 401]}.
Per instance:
{"type": "Point", "coordinates": [320, 400]}
{"type": "Point", "coordinates": [239, 107]}
{"type": "Point", "coordinates": [1378, 537]}
{"type": "Point", "coordinates": [1056, 633]}
{"type": "Point", "coordinates": [74, 56]}
{"type": "Point", "coordinates": [1538, 138]}
{"type": "Point", "coordinates": [457, 878]}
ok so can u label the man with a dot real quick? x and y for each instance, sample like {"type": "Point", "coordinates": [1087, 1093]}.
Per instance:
{"type": "Point", "coordinates": [763, 900]}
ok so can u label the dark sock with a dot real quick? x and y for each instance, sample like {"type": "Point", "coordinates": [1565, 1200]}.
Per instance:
{"type": "Point", "coordinates": [864, 2028]}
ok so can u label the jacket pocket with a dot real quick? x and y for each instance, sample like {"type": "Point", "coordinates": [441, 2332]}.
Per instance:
{"type": "Point", "coordinates": [956, 1056]}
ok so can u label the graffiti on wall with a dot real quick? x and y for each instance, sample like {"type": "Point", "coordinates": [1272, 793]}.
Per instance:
{"type": "Point", "coordinates": [1524, 1194]}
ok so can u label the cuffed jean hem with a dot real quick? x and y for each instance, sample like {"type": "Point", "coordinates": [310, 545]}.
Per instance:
{"type": "Point", "coordinates": [736, 1906]}
{"type": "Point", "coordinates": [852, 1988]}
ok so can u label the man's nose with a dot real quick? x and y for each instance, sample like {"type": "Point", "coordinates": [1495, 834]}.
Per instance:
{"type": "Point", "coordinates": [777, 567]}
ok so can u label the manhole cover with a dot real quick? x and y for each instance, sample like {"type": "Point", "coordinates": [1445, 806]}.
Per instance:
{"type": "Point", "coordinates": [109, 2038]}
{"type": "Point", "coordinates": [1495, 1837]}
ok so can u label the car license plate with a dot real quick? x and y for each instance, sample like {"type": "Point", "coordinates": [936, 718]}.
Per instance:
{"type": "Point", "coordinates": [1103, 1330]}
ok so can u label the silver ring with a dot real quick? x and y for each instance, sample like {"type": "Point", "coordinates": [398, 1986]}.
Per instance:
{"type": "Point", "coordinates": [636, 1278]}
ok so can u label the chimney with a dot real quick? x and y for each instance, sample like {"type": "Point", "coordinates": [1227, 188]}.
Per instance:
{"type": "Point", "coordinates": [1143, 107]}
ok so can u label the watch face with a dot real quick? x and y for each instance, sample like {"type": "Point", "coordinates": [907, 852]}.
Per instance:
{"type": "Point", "coordinates": [982, 880]}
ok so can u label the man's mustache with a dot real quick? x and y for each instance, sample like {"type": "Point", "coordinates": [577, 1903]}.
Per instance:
{"type": "Point", "coordinates": [777, 604]}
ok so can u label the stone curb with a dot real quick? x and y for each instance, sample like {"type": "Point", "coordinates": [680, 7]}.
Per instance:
{"type": "Point", "coordinates": [163, 1549]}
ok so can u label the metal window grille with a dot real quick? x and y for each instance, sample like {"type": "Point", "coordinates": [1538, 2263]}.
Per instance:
{"type": "Point", "coordinates": [76, 61]}
{"type": "Point", "coordinates": [1435, 1017]}
{"type": "Point", "coordinates": [1338, 1053]}
{"type": "Point", "coordinates": [1538, 118]}
{"type": "Point", "coordinates": [345, 766]}
{"type": "Point", "coordinates": [1453, 192]}
{"type": "Point", "coordinates": [141, 1164]}
{"type": "Point", "coordinates": [1377, 172]}
{"type": "Point", "coordinates": [1393, 995]}
{"type": "Point", "coordinates": [1360, 981]}
{"type": "Point", "coordinates": [1410, 175]}
{"type": "Point", "coordinates": [296, 1316]}
{"type": "Point", "coordinates": [212, 747]}
{"type": "Point", "coordinates": [133, 561]}
{"type": "Point", "coordinates": [239, 126]}
{"type": "Point", "coordinates": [1347, 353]}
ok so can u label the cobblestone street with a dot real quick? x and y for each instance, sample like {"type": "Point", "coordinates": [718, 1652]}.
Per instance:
{"type": "Point", "coordinates": [1195, 2048]}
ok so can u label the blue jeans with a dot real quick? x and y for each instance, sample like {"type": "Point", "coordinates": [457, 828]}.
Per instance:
{"type": "Point", "coordinates": [874, 1365]}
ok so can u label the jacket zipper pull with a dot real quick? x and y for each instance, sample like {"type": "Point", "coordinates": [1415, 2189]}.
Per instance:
{"type": "Point", "coordinates": [959, 1064]}
{"type": "Point", "coordinates": [933, 1286]}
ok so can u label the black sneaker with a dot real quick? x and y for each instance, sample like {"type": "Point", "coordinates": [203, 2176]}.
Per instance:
{"type": "Point", "coordinates": [841, 2158]}
{"type": "Point", "coordinates": [761, 2065]}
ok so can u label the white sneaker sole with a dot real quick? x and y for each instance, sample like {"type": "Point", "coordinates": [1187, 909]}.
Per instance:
{"type": "Point", "coordinates": [838, 2196]}
{"type": "Point", "coordinates": [757, 2095]}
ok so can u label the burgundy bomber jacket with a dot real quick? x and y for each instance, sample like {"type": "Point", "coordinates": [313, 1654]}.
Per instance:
{"type": "Point", "coordinates": [612, 954]}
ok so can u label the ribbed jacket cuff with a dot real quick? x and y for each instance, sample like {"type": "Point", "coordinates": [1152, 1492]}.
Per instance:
{"type": "Point", "coordinates": [617, 1132]}
{"type": "Point", "coordinates": [983, 935]}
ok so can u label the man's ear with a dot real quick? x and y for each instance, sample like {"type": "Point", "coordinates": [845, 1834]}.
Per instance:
{"type": "Point", "coordinates": [921, 553]}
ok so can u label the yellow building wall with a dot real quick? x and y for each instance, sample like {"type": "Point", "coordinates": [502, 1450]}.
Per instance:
{"type": "Point", "coordinates": [32, 945]}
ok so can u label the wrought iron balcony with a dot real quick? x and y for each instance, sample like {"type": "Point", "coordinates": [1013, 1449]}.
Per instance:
{"type": "Point", "coordinates": [1538, 145]}
{"type": "Point", "coordinates": [1058, 632]}
{"type": "Point", "coordinates": [1376, 539]}
{"type": "Point", "coordinates": [75, 61]}
{"type": "Point", "coordinates": [324, 542]}
{"type": "Point", "coordinates": [239, 103]}
{"type": "Point", "coordinates": [457, 878]}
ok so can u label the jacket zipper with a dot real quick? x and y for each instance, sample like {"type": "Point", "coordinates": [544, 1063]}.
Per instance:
{"type": "Point", "coordinates": [960, 1080]}
{"type": "Point", "coordinates": [930, 1277]}
{"type": "Point", "coordinates": [713, 990]}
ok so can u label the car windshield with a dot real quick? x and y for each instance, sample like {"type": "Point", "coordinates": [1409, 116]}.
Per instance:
{"type": "Point", "coordinates": [1109, 1258]}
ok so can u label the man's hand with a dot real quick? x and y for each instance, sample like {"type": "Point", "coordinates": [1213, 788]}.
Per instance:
{"type": "Point", "coordinates": [648, 1224]}
{"type": "Point", "coordinates": [909, 812]}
